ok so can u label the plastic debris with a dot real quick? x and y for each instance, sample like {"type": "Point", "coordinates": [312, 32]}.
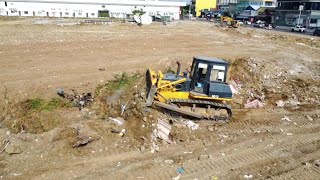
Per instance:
{"type": "Point", "coordinates": [190, 124]}
{"type": "Point", "coordinates": [118, 121]}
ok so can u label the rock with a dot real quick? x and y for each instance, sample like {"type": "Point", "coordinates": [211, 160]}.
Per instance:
{"type": "Point", "coordinates": [309, 118]}
{"type": "Point", "coordinates": [169, 161]}
{"type": "Point", "coordinates": [122, 132]}
{"type": "Point", "coordinates": [280, 103]}
{"type": "Point", "coordinates": [144, 119]}
{"type": "Point", "coordinates": [248, 176]}
{"type": "Point", "coordinates": [289, 134]}
{"type": "Point", "coordinates": [142, 148]}
{"type": "Point", "coordinates": [203, 157]}
{"type": "Point", "coordinates": [317, 162]}
{"type": "Point", "coordinates": [12, 149]}
{"type": "Point", "coordinates": [210, 128]}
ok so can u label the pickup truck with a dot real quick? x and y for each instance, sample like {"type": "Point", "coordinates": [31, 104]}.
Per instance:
{"type": "Point", "coordinates": [298, 29]}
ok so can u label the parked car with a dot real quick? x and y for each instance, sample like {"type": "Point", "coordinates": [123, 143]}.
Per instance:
{"type": "Point", "coordinates": [269, 26]}
{"type": "Point", "coordinates": [260, 24]}
{"type": "Point", "coordinates": [298, 28]}
{"type": "Point", "coordinates": [316, 32]}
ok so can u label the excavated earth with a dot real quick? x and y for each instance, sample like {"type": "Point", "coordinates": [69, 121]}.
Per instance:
{"type": "Point", "coordinates": [38, 56]}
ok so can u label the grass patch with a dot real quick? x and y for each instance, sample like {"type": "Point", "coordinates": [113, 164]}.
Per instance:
{"type": "Point", "coordinates": [9, 18]}
{"type": "Point", "coordinates": [40, 104]}
{"type": "Point", "coordinates": [120, 81]}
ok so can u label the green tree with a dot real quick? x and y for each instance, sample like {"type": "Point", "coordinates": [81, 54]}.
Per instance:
{"type": "Point", "coordinates": [139, 13]}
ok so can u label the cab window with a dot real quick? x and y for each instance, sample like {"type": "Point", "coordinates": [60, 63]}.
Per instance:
{"type": "Point", "coordinates": [217, 73]}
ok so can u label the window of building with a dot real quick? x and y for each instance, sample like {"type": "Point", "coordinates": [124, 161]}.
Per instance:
{"type": "Point", "coordinates": [5, 4]}
{"type": "Point", "coordinates": [92, 14]}
{"type": "Point", "coordinates": [26, 12]}
{"type": "Point", "coordinates": [79, 14]}
{"type": "Point", "coordinates": [103, 6]}
{"type": "Point", "coordinates": [53, 13]}
{"type": "Point", "coordinates": [66, 13]}
{"type": "Point", "coordinates": [313, 21]}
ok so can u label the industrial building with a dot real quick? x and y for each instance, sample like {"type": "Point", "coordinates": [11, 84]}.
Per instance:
{"type": "Point", "coordinates": [227, 5]}
{"type": "Point", "coordinates": [203, 5]}
{"type": "Point", "coordinates": [89, 8]}
{"type": "Point", "coordinates": [289, 14]}
{"type": "Point", "coordinates": [243, 4]}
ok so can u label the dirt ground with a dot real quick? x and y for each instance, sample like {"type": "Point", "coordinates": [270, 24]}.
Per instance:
{"type": "Point", "coordinates": [39, 56]}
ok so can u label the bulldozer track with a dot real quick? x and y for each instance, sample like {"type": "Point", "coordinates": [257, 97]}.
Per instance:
{"type": "Point", "coordinates": [214, 105]}
{"type": "Point", "coordinates": [228, 163]}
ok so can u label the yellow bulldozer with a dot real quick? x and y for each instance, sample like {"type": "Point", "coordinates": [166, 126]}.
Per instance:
{"type": "Point", "coordinates": [229, 22]}
{"type": "Point", "coordinates": [201, 93]}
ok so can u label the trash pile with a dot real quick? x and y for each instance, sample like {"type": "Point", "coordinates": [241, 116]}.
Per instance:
{"type": "Point", "coordinates": [79, 101]}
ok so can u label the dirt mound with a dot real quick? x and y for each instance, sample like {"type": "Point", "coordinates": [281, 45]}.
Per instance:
{"type": "Point", "coordinates": [270, 82]}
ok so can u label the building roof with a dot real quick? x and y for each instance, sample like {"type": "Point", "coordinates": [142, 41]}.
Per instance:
{"type": "Point", "coordinates": [253, 7]}
{"type": "Point", "coordinates": [263, 9]}
{"type": "Point", "coordinates": [108, 2]}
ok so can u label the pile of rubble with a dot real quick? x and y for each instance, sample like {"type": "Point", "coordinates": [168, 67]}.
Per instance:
{"type": "Point", "coordinates": [255, 84]}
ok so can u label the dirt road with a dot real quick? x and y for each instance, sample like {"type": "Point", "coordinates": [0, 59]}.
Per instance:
{"type": "Point", "coordinates": [256, 144]}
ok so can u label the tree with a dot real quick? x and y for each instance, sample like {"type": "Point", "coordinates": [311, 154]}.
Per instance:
{"type": "Point", "coordinates": [139, 13]}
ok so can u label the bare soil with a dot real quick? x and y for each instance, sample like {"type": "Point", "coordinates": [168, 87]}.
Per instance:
{"type": "Point", "coordinates": [39, 56]}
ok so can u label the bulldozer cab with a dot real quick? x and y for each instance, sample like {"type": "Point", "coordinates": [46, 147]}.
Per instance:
{"type": "Point", "coordinates": [207, 71]}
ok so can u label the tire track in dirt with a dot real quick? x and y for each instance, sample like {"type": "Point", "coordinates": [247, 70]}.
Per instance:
{"type": "Point", "coordinates": [223, 164]}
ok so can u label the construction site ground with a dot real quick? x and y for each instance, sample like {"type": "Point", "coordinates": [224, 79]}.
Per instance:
{"type": "Point", "coordinates": [271, 142]}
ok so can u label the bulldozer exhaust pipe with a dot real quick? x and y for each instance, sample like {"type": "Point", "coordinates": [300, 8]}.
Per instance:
{"type": "Point", "coordinates": [178, 69]}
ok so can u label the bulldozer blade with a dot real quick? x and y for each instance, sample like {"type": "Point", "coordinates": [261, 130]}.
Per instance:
{"type": "Point", "coordinates": [150, 96]}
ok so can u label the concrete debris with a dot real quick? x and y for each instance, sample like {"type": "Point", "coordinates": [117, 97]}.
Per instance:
{"type": "Point", "coordinates": [289, 134]}
{"type": "Point", "coordinates": [117, 121]}
{"type": "Point", "coordinates": [309, 118]}
{"type": "Point", "coordinates": [280, 103]}
{"type": "Point", "coordinates": [164, 131]}
{"type": "Point", "coordinates": [193, 126]}
{"type": "Point", "coordinates": [317, 163]}
{"type": "Point", "coordinates": [83, 141]}
{"type": "Point", "coordinates": [169, 161]}
{"type": "Point", "coordinates": [248, 176]}
{"type": "Point", "coordinates": [79, 101]}
{"type": "Point", "coordinates": [254, 104]}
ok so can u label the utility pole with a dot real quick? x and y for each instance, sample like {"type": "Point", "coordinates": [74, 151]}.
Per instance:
{"type": "Point", "coordinates": [300, 9]}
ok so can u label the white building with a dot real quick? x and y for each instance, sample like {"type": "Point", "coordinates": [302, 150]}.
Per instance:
{"type": "Point", "coordinates": [89, 8]}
